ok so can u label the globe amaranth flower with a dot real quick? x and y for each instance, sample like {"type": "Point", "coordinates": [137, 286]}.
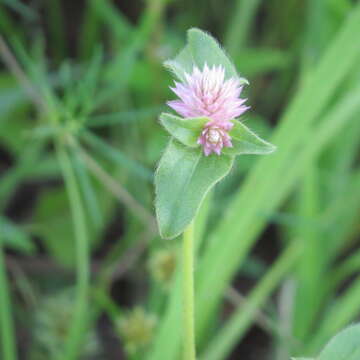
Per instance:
{"type": "Point", "coordinates": [207, 93]}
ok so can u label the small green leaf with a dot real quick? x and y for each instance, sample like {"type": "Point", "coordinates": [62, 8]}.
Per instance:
{"type": "Point", "coordinates": [186, 131]}
{"type": "Point", "coordinates": [201, 48]}
{"type": "Point", "coordinates": [302, 358]}
{"type": "Point", "coordinates": [343, 346]}
{"type": "Point", "coordinates": [247, 142]}
{"type": "Point", "coordinates": [182, 180]}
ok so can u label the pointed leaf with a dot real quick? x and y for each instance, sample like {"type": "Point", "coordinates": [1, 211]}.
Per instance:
{"type": "Point", "coordinates": [205, 49]}
{"type": "Point", "coordinates": [182, 180]}
{"type": "Point", "coordinates": [201, 48]}
{"type": "Point", "coordinates": [247, 142]}
{"type": "Point", "coordinates": [187, 131]}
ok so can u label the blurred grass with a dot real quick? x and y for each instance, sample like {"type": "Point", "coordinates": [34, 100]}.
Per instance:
{"type": "Point", "coordinates": [97, 68]}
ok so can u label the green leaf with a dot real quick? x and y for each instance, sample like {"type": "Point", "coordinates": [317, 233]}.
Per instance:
{"type": "Point", "coordinates": [247, 142]}
{"type": "Point", "coordinates": [201, 48]}
{"type": "Point", "coordinates": [205, 49]}
{"type": "Point", "coordinates": [302, 358]}
{"type": "Point", "coordinates": [186, 131]}
{"type": "Point", "coordinates": [182, 180]}
{"type": "Point", "coordinates": [343, 346]}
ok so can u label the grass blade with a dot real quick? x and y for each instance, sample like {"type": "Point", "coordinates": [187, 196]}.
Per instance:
{"type": "Point", "coordinates": [243, 316]}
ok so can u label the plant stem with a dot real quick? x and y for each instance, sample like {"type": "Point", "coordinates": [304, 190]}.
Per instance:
{"type": "Point", "coordinates": [6, 321]}
{"type": "Point", "coordinates": [188, 294]}
{"type": "Point", "coordinates": [78, 328]}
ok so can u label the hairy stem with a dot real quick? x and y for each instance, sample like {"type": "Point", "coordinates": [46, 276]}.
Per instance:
{"type": "Point", "coordinates": [188, 294]}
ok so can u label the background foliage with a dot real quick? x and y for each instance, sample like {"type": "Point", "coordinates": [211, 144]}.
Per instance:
{"type": "Point", "coordinates": [278, 259]}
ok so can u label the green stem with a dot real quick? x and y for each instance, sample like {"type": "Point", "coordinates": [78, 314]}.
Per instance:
{"type": "Point", "coordinates": [6, 321]}
{"type": "Point", "coordinates": [78, 327]}
{"type": "Point", "coordinates": [188, 294]}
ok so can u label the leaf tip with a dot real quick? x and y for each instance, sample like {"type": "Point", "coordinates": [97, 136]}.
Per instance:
{"type": "Point", "coordinates": [195, 30]}
{"type": "Point", "coordinates": [271, 148]}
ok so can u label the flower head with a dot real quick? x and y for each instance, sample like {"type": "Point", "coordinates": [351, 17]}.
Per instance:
{"type": "Point", "coordinates": [207, 93]}
{"type": "Point", "coordinates": [215, 136]}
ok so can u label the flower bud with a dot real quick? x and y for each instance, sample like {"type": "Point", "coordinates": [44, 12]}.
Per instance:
{"type": "Point", "coordinates": [215, 136]}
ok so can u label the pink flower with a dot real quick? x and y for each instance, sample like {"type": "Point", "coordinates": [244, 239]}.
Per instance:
{"type": "Point", "coordinates": [214, 137]}
{"type": "Point", "coordinates": [207, 93]}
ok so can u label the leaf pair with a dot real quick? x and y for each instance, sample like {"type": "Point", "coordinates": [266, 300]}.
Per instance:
{"type": "Point", "coordinates": [184, 175]}
{"type": "Point", "coordinates": [187, 132]}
